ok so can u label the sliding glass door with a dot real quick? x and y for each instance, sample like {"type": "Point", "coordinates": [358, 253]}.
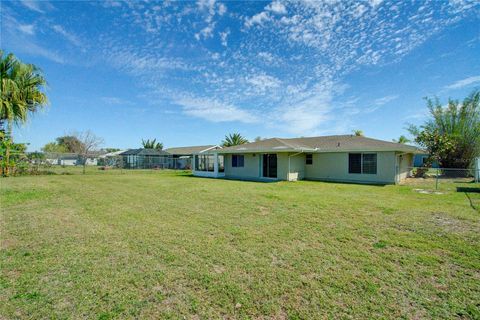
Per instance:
{"type": "Point", "coordinates": [270, 165]}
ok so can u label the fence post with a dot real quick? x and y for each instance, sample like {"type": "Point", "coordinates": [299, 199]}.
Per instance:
{"type": "Point", "coordinates": [436, 181]}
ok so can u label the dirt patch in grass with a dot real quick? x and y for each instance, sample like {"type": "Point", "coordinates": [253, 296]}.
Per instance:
{"type": "Point", "coordinates": [450, 224]}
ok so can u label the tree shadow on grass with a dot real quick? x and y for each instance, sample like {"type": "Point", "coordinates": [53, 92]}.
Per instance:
{"type": "Point", "coordinates": [467, 191]}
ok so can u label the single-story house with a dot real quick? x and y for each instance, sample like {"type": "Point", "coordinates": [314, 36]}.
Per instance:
{"type": "Point", "coordinates": [181, 157]}
{"type": "Point", "coordinates": [145, 159]}
{"type": "Point", "coordinates": [70, 159]}
{"type": "Point", "coordinates": [62, 159]}
{"type": "Point", "coordinates": [343, 158]}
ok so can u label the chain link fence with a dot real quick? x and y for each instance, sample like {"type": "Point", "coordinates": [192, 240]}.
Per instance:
{"type": "Point", "coordinates": [69, 164]}
{"type": "Point", "coordinates": [443, 178]}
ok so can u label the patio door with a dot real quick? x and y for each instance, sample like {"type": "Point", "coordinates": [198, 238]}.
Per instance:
{"type": "Point", "coordinates": [270, 165]}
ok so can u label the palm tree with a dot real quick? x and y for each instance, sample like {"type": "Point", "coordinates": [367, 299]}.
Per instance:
{"type": "Point", "coordinates": [21, 94]}
{"type": "Point", "coordinates": [234, 139]}
{"type": "Point", "coordinates": [152, 144]}
{"type": "Point", "coordinates": [402, 139]}
{"type": "Point", "coordinates": [358, 133]}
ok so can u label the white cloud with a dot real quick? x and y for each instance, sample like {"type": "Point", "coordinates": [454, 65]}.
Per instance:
{"type": "Point", "coordinates": [276, 7]}
{"type": "Point", "coordinates": [283, 63]}
{"type": "Point", "coordinates": [464, 82]}
{"type": "Point", "coordinates": [384, 100]}
{"type": "Point", "coordinates": [27, 28]}
{"type": "Point", "coordinates": [115, 101]}
{"type": "Point", "coordinates": [211, 7]}
{"type": "Point", "coordinates": [111, 4]}
{"type": "Point", "coordinates": [305, 114]}
{"type": "Point", "coordinates": [267, 56]}
{"type": "Point", "coordinates": [206, 32]}
{"type": "Point", "coordinates": [223, 36]}
{"type": "Point", "coordinates": [38, 6]}
{"type": "Point", "coordinates": [259, 18]}
{"type": "Point", "coordinates": [263, 82]}
{"type": "Point", "coordinates": [67, 35]}
{"type": "Point", "coordinates": [37, 50]}
{"type": "Point", "coordinates": [375, 3]}
{"type": "Point", "coordinates": [222, 9]}
{"type": "Point", "coordinates": [214, 110]}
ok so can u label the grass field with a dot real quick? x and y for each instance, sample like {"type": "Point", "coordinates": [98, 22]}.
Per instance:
{"type": "Point", "coordinates": [167, 245]}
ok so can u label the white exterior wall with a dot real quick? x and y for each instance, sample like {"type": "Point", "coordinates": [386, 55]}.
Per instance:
{"type": "Point", "coordinates": [91, 161]}
{"type": "Point", "coordinates": [295, 166]}
{"type": "Point", "coordinates": [68, 162]}
{"type": "Point", "coordinates": [251, 167]}
{"type": "Point", "coordinates": [404, 166]}
{"type": "Point", "coordinates": [333, 166]}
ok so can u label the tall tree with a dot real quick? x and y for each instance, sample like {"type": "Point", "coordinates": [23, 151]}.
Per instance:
{"type": "Point", "coordinates": [54, 147]}
{"type": "Point", "coordinates": [21, 93]}
{"type": "Point", "coordinates": [358, 133]}
{"type": "Point", "coordinates": [69, 142]}
{"type": "Point", "coordinates": [152, 144]}
{"type": "Point", "coordinates": [452, 134]}
{"type": "Point", "coordinates": [234, 139]}
{"type": "Point", "coordinates": [402, 139]}
{"type": "Point", "coordinates": [89, 143]}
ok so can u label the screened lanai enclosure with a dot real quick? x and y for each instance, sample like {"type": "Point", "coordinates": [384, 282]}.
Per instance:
{"type": "Point", "coordinates": [145, 159]}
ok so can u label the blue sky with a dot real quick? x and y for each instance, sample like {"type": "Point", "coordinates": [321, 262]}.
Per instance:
{"type": "Point", "coordinates": [187, 73]}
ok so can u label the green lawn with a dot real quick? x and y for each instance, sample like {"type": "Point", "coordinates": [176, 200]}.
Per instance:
{"type": "Point", "coordinates": [167, 245]}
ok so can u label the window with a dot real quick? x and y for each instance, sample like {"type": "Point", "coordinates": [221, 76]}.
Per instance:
{"type": "Point", "coordinates": [365, 163]}
{"type": "Point", "coordinates": [205, 162]}
{"type": "Point", "coordinates": [197, 166]}
{"type": "Point", "coordinates": [369, 163]}
{"type": "Point", "coordinates": [354, 163]}
{"type": "Point", "coordinates": [210, 162]}
{"type": "Point", "coordinates": [221, 166]}
{"type": "Point", "coordinates": [309, 158]}
{"type": "Point", "coordinates": [237, 160]}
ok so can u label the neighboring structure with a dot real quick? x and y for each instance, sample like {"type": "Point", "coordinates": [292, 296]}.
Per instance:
{"type": "Point", "coordinates": [420, 159]}
{"type": "Point", "coordinates": [145, 159]}
{"type": "Point", "coordinates": [111, 159]}
{"type": "Point", "coordinates": [346, 158]}
{"type": "Point", "coordinates": [181, 157]}
{"type": "Point", "coordinates": [62, 159]}
{"type": "Point", "coordinates": [70, 159]}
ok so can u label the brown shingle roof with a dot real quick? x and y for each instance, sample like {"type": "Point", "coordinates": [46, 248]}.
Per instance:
{"type": "Point", "coordinates": [339, 143]}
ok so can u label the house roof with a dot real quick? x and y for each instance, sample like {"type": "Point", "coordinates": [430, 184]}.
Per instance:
{"type": "Point", "coordinates": [338, 143]}
{"type": "Point", "coordinates": [184, 151]}
{"type": "Point", "coordinates": [61, 156]}
{"type": "Point", "coordinates": [145, 152]}
{"type": "Point", "coordinates": [112, 154]}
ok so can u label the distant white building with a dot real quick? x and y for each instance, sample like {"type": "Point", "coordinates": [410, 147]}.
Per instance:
{"type": "Point", "coordinates": [69, 159]}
